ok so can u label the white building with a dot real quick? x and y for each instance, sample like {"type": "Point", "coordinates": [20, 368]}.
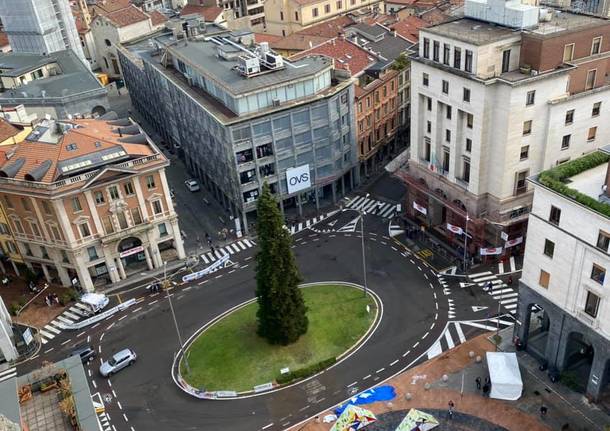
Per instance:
{"type": "Point", "coordinates": [8, 352]}
{"type": "Point", "coordinates": [40, 26]}
{"type": "Point", "coordinates": [493, 104]}
{"type": "Point", "coordinates": [563, 298]}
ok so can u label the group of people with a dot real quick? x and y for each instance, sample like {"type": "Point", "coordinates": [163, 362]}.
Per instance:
{"type": "Point", "coordinates": [486, 386]}
{"type": "Point", "coordinates": [155, 287]}
{"type": "Point", "coordinates": [51, 299]}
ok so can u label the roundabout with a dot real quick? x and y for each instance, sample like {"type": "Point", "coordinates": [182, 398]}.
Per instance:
{"type": "Point", "coordinates": [226, 358]}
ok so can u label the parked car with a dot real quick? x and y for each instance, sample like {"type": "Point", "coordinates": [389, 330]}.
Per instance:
{"type": "Point", "coordinates": [95, 302]}
{"type": "Point", "coordinates": [192, 185]}
{"type": "Point", "coordinates": [118, 361]}
{"type": "Point", "coordinates": [86, 353]}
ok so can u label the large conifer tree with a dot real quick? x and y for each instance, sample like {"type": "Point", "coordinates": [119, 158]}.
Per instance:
{"type": "Point", "coordinates": [281, 311]}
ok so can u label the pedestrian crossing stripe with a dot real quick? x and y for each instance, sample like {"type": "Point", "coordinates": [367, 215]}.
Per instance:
{"type": "Point", "coordinates": [351, 226]}
{"type": "Point", "coordinates": [9, 373]}
{"type": "Point", "coordinates": [232, 248]}
{"type": "Point", "coordinates": [372, 206]}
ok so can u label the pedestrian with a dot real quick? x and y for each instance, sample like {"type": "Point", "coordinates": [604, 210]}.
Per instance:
{"type": "Point", "coordinates": [543, 410]}
{"type": "Point", "coordinates": [510, 280]}
{"type": "Point", "coordinates": [478, 382]}
{"type": "Point", "coordinates": [487, 381]}
{"type": "Point", "coordinates": [486, 389]}
{"type": "Point", "coordinates": [56, 298]}
{"type": "Point", "coordinates": [487, 287]}
{"type": "Point", "coordinates": [451, 406]}
{"type": "Point", "coordinates": [47, 300]}
{"type": "Point", "coordinates": [212, 248]}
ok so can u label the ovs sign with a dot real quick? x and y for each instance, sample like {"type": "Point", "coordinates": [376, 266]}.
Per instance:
{"type": "Point", "coordinates": [298, 178]}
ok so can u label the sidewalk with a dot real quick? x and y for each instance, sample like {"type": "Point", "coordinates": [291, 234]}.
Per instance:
{"type": "Point", "coordinates": [423, 387]}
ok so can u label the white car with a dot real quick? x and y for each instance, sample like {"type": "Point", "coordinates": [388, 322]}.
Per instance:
{"type": "Point", "coordinates": [192, 185]}
{"type": "Point", "coordinates": [118, 361]}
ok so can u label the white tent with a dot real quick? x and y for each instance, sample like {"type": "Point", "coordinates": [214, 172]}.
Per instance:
{"type": "Point", "coordinates": [506, 383]}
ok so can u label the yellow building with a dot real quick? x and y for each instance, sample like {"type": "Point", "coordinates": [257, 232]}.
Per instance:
{"type": "Point", "coordinates": [284, 17]}
{"type": "Point", "coordinates": [10, 134]}
{"type": "Point", "coordinates": [8, 246]}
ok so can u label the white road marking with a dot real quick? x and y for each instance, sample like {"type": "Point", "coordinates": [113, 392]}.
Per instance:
{"type": "Point", "coordinates": [366, 377]}
{"type": "Point", "coordinates": [121, 318]}
{"type": "Point", "coordinates": [136, 310]}
{"type": "Point", "coordinates": [152, 302]}
{"type": "Point", "coordinates": [267, 426]}
{"type": "Point", "coordinates": [48, 350]}
{"type": "Point", "coordinates": [380, 370]}
{"type": "Point", "coordinates": [393, 363]}
{"type": "Point", "coordinates": [125, 417]}
{"type": "Point", "coordinates": [94, 384]}
{"type": "Point", "coordinates": [406, 353]}
{"type": "Point", "coordinates": [352, 384]}
{"type": "Point", "coordinates": [67, 341]}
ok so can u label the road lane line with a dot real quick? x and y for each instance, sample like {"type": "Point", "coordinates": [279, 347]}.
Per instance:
{"type": "Point", "coordinates": [436, 303]}
{"type": "Point", "coordinates": [425, 335]}
{"type": "Point", "coordinates": [352, 384]}
{"type": "Point", "coordinates": [48, 350]}
{"type": "Point", "coordinates": [94, 326]}
{"type": "Point", "coordinates": [110, 326]}
{"type": "Point", "coordinates": [218, 276]}
{"type": "Point", "coordinates": [67, 341]}
{"type": "Point", "coordinates": [109, 383]}
{"type": "Point", "coordinates": [94, 384]}
{"type": "Point", "coordinates": [102, 336]}
{"type": "Point", "coordinates": [380, 370]}
{"type": "Point", "coordinates": [82, 333]}
{"type": "Point", "coordinates": [203, 282]}
{"type": "Point", "coordinates": [415, 345]}
{"type": "Point", "coordinates": [118, 403]}
{"type": "Point", "coordinates": [269, 425]}
{"type": "Point", "coordinates": [232, 271]}
{"type": "Point", "coordinates": [125, 417]}
{"type": "Point", "coordinates": [245, 266]}
{"type": "Point", "coordinates": [435, 317]}
{"type": "Point", "coordinates": [121, 318]}
{"type": "Point", "coordinates": [393, 363]}
{"type": "Point", "coordinates": [366, 377]}
{"type": "Point", "coordinates": [152, 302]}
{"type": "Point", "coordinates": [136, 310]}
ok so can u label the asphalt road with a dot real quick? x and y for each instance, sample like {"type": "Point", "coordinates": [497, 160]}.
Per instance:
{"type": "Point", "coordinates": [144, 397]}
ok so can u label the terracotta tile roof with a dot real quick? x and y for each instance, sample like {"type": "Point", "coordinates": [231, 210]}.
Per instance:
{"type": "Point", "coordinates": [93, 136]}
{"type": "Point", "coordinates": [157, 18]}
{"type": "Point", "coordinates": [332, 28]}
{"type": "Point", "coordinates": [209, 13]}
{"type": "Point", "coordinates": [3, 39]}
{"type": "Point", "coordinates": [298, 42]}
{"type": "Point", "coordinates": [379, 18]}
{"type": "Point", "coordinates": [102, 7]}
{"type": "Point", "coordinates": [409, 27]}
{"type": "Point", "coordinates": [7, 130]}
{"type": "Point", "coordinates": [127, 16]}
{"type": "Point", "coordinates": [347, 55]}
{"type": "Point", "coordinates": [435, 17]}
{"type": "Point", "coordinates": [266, 37]}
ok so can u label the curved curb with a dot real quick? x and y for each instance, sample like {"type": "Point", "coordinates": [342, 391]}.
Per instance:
{"type": "Point", "coordinates": [230, 395]}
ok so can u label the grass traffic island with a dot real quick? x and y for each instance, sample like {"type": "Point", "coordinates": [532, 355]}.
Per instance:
{"type": "Point", "coordinates": [230, 356]}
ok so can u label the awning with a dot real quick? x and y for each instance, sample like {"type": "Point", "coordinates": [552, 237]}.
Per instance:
{"type": "Point", "coordinates": [506, 383]}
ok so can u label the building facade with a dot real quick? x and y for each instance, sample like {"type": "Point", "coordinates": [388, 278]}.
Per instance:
{"type": "Point", "coordinates": [40, 26]}
{"type": "Point", "coordinates": [88, 200]}
{"type": "Point", "coordinates": [239, 127]}
{"type": "Point", "coordinates": [563, 303]}
{"type": "Point", "coordinates": [495, 104]}
{"type": "Point", "coordinates": [284, 17]}
{"type": "Point", "coordinates": [243, 13]}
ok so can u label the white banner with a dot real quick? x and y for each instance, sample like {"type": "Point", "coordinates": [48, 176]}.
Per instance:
{"type": "Point", "coordinates": [491, 251]}
{"type": "Point", "coordinates": [298, 178]}
{"type": "Point", "coordinates": [513, 242]}
{"type": "Point", "coordinates": [419, 208]}
{"type": "Point", "coordinates": [131, 251]}
{"type": "Point", "coordinates": [455, 229]}
{"type": "Point", "coordinates": [197, 275]}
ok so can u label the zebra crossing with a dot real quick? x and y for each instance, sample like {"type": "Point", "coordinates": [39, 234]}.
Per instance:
{"type": "Point", "coordinates": [500, 291]}
{"type": "Point", "coordinates": [77, 312]}
{"type": "Point", "coordinates": [307, 224]}
{"type": "Point", "coordinates": [456, 333]}
{"type": "Point", "coordinates": [372, 206]}
{"type": "Point", "coordinates": [9, 373]}
{"type": "Point", "coordinates": [350, 227]}
{"type": "Point", "coordinates": [230, 249]}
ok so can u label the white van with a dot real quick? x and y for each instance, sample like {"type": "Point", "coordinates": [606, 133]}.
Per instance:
{"type": "Point", "coordinates": [95, 301]}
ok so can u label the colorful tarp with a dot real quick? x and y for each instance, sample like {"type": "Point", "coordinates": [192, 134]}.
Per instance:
{"type": "Point", "coordinates": [353, 418]}
{"type": "Point", "coordinates": [417, 420]}
{"type": "Point", "coordinates": [381, 393]}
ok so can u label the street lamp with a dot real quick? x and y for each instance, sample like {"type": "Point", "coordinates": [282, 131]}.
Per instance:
{"type": "Point", "coordinates": [362, 214]}
{"type": "Point", "coordinates": [465, 241]}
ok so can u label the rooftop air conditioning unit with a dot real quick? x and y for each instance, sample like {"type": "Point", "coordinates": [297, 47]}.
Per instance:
{"type": "Point", "coordinates": [276, 102]}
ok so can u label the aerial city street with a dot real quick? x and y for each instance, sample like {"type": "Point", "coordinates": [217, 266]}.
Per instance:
{"type": "Point", "coordinates": [304, 215]}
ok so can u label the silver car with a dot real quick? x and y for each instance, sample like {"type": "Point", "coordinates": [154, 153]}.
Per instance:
{"type": "Point", "coordinates": [118, 361]}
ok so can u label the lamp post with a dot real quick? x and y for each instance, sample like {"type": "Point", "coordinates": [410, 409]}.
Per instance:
{"type": "Point", "coordinates": [466, 240]}
{"type": "Point", "coordinates": [362, 214]}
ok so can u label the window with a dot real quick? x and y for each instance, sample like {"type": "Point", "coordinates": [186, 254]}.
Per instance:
{"type": "Point", "coordinates": [84, 230]}
{"type": "Point", "coordinates": [591, 134]}
{"type": "Point", "coordinates": [136, 217]}
{"type": "Point", "coordinates": [457, 58]}
{"type": "Point", "coordinates": [339, 4]}
{"type": "Point", "coordinates": [525, 151]}
{"type": "Point", "coordinates": [55, 233]}
{"type": "Point", "coordinates": [446, 54]}
{"type": "Point", "coordinates": [445, 87]}
{"type": "Point", "coordinates": [469, 120]}
{"type": "Point", "coordinates": [468, 144]}
{"type": "Point", "coordinates": [569, 117]}
{"type": "Point", "coordinates": [466, 95]}
{"type": "Point", "coordinates": [427, 149]}
{"type": "Point", "coordinates": [426, 47]}
{"type": "Point", "coordinates": [128, 189]}
{"type": "Point", "coordinates": [76, 207]}
{"type": "Point", "coordinates": [544, 279]}
{"type": "Point", "coordinates": [448, 135]}
{"type": "Point", "coordinates": [18, 226]}
{"type": "Point", "coordinates": [92, 252]}
{"type": "Point", "coordinates": [99, 198]}
{"type": "Point", "coordinates": [46, 207]}
{"type": "Point", "coordinates": [592, 304]}
{"type": "Point", "coordinates": [4, 229]}
{"type": "Point", "coordinates": [281, 16]}
{"type": "Point", "coordinates": [549, 248]}
{"type": "Point", "coordinates": [596, 45]}
{"type": "Point", "coordinates": [429, 104]}
{"type": "Point", "coordinates": [429, 126]}
{"type": "Point", "coordinates": [527, 127]}
{"type": "Point", "coordinates": [326, 8]}
{"type": "Point", "coordinates": [122, 219]}
{"type": "Point", "coordinates": [157, 208]}
{"type": "Point", "coordinates": [521, 182]}
{"type": "Point", "coordinates": [468, 61]}
{"type": "Point", "coordinates": [505, 60]}
{"type": "Point", "coordinates": [448, 112]}
{"type": "Point", "coordinates": [25, 202]}
{"type": "Point", "coordinates": [555, 215]}
{"type": "Point", "coordinates": [596, 108]}
{"type": "Point", "coordinates": [603, 240]}
{"type": "Point", "coordinates": [426, 79]}
{"type": "Point", "coordinates": [28, 250]}
{"type": "Point", "coordinates": [296, 16]}
{"type": "Point", "coordinates": [435, 50]}
{"type": "Point", "coordinates": [598, 274]}
{"type": "Point", "coordinates": [314, 12]}
{"type": "Point", "coordinates": [591, 74]}
{"type": "Point", "coordinates": [35, 229]}
{"type": "Point", "coordinates": [162, 229]}
{"type": "Point", "coordinates": [8, 202]}
{"type": "Point", "coordinates": [466, 171]}
{"type": "Point", "coordinates": [565, 142]}
{"type": "Point", "coordinates": [568, 52]}
{"type": "Point", "coordinates": [150, 182]}
{"type": "Point", "coordinates": [108, 226]}
{"type": "Point", "coordinates": [113, 191]}
{"type": "Point", "coordinates": [530, 98]}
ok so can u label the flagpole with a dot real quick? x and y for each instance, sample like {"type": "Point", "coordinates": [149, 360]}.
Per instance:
{"type": "Point", "coordinates": [465, 240]}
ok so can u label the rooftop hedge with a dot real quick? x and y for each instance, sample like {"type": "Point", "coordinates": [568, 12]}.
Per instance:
{"type": "Point", "coordinates": [555, 179]}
